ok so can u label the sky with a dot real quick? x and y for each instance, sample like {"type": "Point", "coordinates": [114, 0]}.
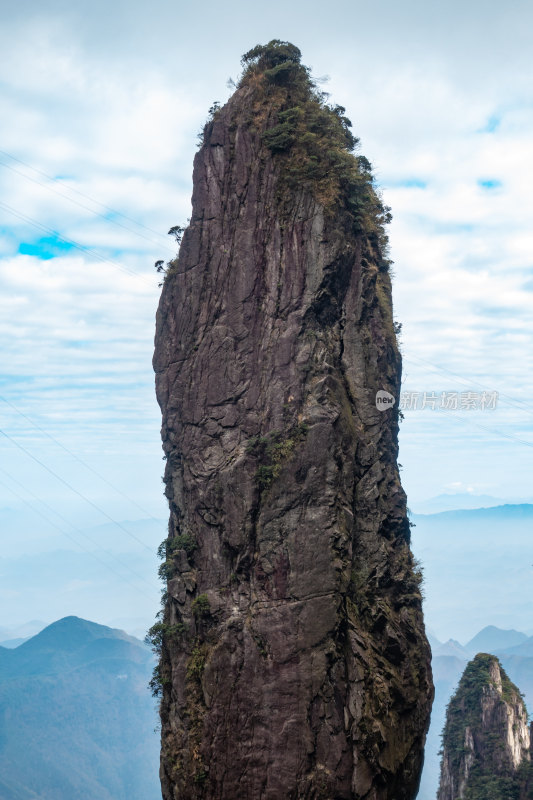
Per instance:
{"type": "Point", "coordinates": [102, 104]}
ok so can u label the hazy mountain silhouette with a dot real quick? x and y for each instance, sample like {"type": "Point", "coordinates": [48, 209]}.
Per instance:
{"type": "Point", "coordinates": [451, 648]}
{"type": "Point", "coordinates": [452, 502]}
{"type": "Point", "coordinates": [76, 717]}
{"type": "Point", "coordinates": [492, 639]}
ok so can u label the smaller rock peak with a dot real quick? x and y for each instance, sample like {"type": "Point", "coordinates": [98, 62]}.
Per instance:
{"type": "Point", "coordinates": [486, 738]}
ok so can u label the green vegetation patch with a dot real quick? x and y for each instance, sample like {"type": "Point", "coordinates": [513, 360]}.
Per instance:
{"type": "Point", "coordinates": [272, 450]}
{"type": "Point", "coordinates": [312, 140]}
{"type": "Point", "coordinates": [196, 663]}
{"type": "Point", "coordinates": [200, 607]}
{"type": "Point", "coordinates": [161, 633]}
{"type": "Point", "coordinates": [168, 549]}
{"type": "Point", "coordinates": [491, 787]}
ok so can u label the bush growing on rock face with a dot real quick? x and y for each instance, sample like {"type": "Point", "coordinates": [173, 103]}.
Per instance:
{"type": "Point", "coordinates": [157, 682]}
{"type": "Point", "coordinates": [272, 450]}
{"type": "Point", "coordinates": [177, 232]}
{"type": "Point", "coordinates": [161, 632]}
{"type": "Point", "coordinates": [183, 542]}
{"type": "Point", "coordinates": [169, 548]}
{"type": "Point", "coordinates": [200, 607]}
{"type": "Point", "coordinates": [166, 570]}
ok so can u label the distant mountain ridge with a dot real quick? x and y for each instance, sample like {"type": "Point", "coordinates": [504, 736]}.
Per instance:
{"type": "Point", "coordinates": [22, 631]}
{"type": "Point", "coordinates": [463, 501]}
{"type": "Point", "coordinates": [12, 643]}
{"type": "Point", "coordinates": [69, 632]}
{"type": "Point", "coordinates": [516, 510]}
{"type": "Point", "coordinates": [76, 716]}
{"type": "Point", "coordinates": [492, 639]}
{"type": "Point", "coordinates": [45, 570]}
{"type": "Point", "coordinates": [451, 648]}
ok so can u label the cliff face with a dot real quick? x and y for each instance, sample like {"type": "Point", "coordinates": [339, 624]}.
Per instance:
{"type": "Point", "coordinates": [486, 739]}
{"type": "Point", "coordinates": [294, 662]}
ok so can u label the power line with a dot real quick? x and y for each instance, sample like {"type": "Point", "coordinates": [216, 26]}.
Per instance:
{"type": "Point", "coordinates": [37, 511]}
{"type": "Point", "coordinates": [96, 255]}
{"type": "Point", "coordinates": [124, 269]}
{"type": "Point", "coordinates": [76, 191]}
{"type": "Point", "coordinates": [70, 524]}
{"type": "Point", "coordinates": [81, 205]}
{"type": "Point", "coordinates": [73, 489]}
{"type": "Point", "coordinates": [497, 431]}
{"type": "Point", "coordinates": [520, 404]}
{"type": "Point", "coordinates": [73, 243]}
{"type": "Point", "coordinates": [77, 458]}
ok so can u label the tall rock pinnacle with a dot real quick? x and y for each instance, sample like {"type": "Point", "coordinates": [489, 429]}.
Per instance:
{"type": "Point", "coordinates": [486, 738]}
{"type": "Point", "coordinates": [294, 662]}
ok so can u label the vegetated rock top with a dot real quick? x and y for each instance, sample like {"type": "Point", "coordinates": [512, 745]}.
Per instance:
{"type": "Point", "coordinates": [293, 658]}
{"type": "Point", "coordinates": [486, 738]}
{"type": "Point", "coordinates": [310, 140]}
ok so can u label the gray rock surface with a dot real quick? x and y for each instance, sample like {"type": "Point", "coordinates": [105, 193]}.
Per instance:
{"type": "Point", "coordinates": [294, 661]}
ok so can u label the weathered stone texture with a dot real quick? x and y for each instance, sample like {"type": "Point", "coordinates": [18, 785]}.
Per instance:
{"type": "Point", "coordinates": [308, 676]}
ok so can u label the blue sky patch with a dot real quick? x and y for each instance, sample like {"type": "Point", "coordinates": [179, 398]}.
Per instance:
{"type": "Point", "coordinates": [45, 248]}
{"type": "Point", "coordinates": [493, 123]}
{"type": "Point", "coordinates": [489, 183]}
{"type": "Point", "coordinates": [408, 183]}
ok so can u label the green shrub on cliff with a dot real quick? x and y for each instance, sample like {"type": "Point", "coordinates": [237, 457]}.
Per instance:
{"type": "Point", "coordinates": [168, 549]}
{"type": "Point", "coordinates": [162, 632]}
{"type": "Point", "coordinates": [272, 450]}
{"type": "Point", "coordinates": [491, 787]}
{"type": "Point", "coordinates": [200, 607]}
